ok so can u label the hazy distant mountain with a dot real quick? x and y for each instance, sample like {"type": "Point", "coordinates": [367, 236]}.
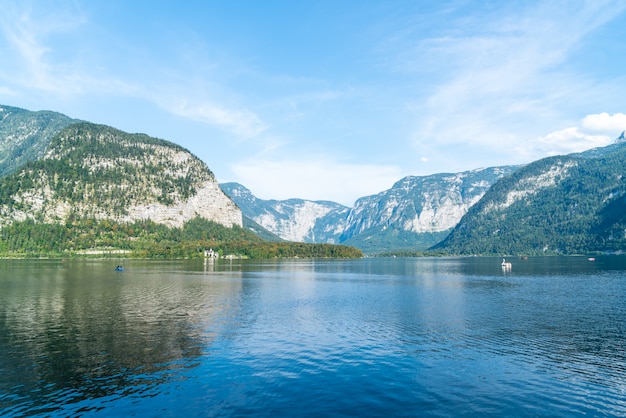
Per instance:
{"type": "Point", "coordinates": [293, 219]}
{"type": "Point", "coordinates": [24, 135]}
{"type": "Point", "coordinates": [558, 205]}
{"type": "Point", "coordinates": [417, 212]}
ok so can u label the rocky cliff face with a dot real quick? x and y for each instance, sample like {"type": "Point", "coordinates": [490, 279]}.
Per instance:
{"type": "Point", "coordinates": [293, 219]}
{"type": "Point", "coordinates": [424, 204]}
{"type": "Point", "coordinates": [94, 171]}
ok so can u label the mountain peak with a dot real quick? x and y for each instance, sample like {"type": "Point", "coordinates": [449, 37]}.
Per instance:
{"type": "Point", "coordinates": [621, 138]}
{"type": "Point", "coordinates": [25, 135]}
{"type": "Point", "coordinates": [96, 171]}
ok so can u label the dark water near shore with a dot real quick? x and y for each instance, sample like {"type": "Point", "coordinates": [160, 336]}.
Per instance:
{"type": "Point", "coordinates": [370, 337]}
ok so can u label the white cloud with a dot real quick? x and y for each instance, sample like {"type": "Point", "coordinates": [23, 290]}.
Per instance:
{"type": "Point", "coordinates": [603, 122]}
{"type": "Point", "coordinates": [570, 140]}
{"type": "Point", "coordinates": [314, 179]}
{"type": "Point", "coordinates": [595, 130]}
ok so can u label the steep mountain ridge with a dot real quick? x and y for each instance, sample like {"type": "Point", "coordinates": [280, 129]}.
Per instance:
{"type": "Point", "coordinates": [557, 205]}
{"type": "Point", "coordinates": [95, 171]}
{"type": "Point", "coordinates": [25, 135]}
{"type": "Point", "coordinates": [54, 169]}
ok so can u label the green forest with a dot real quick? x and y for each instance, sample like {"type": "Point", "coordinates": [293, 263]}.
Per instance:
{"type": "Point", "coordinates": [146, 239]}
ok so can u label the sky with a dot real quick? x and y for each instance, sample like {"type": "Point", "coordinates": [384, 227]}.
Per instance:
{"type": "Point", "coordinates": [330, 99]}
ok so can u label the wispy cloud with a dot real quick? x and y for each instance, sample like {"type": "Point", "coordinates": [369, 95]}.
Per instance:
{"type": "Point", "coordinates": [25, 29]}
{"type": "Point", "coordinates": [40, 69]}
{"type": "Point", "coordinates": [568, 140]}
{"type": "Point", "coordinates": [242, 122]}
{"type": "Point", "coordinates": [499, 71]}
{"type": "Point", "coordinates": [6, 91]}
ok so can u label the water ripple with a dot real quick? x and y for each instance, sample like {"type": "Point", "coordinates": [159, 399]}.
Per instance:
{"type": "Point", "coordinates": [309, 338]}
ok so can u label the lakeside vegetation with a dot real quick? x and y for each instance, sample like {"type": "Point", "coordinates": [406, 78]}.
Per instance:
{"type": "Point", "coordinates": [88, 237]}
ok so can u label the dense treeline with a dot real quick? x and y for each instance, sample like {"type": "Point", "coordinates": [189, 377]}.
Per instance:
{"type": "Point", "coordinates": [147, 239]}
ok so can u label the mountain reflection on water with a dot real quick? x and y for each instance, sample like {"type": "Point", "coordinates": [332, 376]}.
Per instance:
{"type": "Point", "coordinates": [368, 337]}
{"type": "Point", "coordinates": [80, 330]}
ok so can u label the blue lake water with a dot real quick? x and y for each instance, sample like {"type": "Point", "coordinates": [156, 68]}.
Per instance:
{"type": "Point", "coordinates": [368, 337]}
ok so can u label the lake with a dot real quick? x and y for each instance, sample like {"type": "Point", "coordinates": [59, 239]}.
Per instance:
{"type": "Point", "coordinates": [366, 337]}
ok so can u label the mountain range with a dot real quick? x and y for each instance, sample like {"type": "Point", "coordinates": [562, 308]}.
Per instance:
{"type": "Point", "coordinates": [414, 214]}
{"type": "Point", "coordinates": [54, 168]}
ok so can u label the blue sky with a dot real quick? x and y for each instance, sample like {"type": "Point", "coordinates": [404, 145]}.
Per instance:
{"type": "Point", "coordinates": [328, 100]}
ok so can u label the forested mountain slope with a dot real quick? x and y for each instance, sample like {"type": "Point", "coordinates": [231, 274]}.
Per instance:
{"type": "Point", "coordinates": [95, 171]}
{"type": "Point", "coordinates": [25, 135]}
{"type": "Point", "coordinates": [558, 205]}
{"type": "Point", "coordinates": [82, 189]}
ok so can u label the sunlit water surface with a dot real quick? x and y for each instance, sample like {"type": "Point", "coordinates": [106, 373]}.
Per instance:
{"type": "Point", "coordinates": [369, 337]}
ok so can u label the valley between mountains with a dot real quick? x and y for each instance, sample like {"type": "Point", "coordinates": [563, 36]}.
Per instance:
{"type": "Point", "coordinates": [79, 184]}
